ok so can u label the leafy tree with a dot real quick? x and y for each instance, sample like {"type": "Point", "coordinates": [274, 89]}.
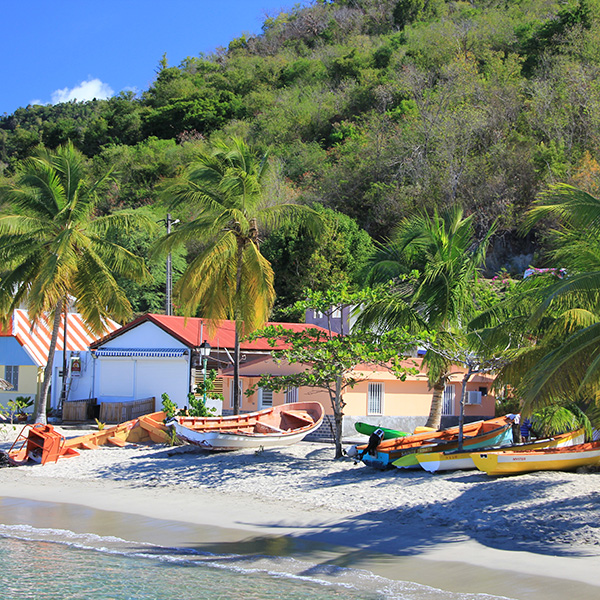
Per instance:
{"type": "Point", "coordinates": [230, 278]}
{"type": "Point", "coordinates": [330, 361]}
{"type": "Point", "coordinates": [302, 261]}
{"type": "Point", "coordinates": [442, 299]}
{"type": "Point", "coordinates": [52, 247]}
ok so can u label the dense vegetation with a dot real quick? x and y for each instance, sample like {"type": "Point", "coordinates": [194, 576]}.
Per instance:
{"type": "Point", "coordinates": [371, 108]}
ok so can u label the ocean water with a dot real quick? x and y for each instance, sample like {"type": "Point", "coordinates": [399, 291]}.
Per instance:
{"type": "Point", "coordinates": [59, 564]}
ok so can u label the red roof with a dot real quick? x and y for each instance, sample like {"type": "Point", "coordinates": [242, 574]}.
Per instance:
{"type": "Point", "coordinates": [193, 331]}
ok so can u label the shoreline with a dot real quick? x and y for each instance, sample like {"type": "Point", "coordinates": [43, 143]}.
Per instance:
{"type": "Point", "coordinates": [300, 501]}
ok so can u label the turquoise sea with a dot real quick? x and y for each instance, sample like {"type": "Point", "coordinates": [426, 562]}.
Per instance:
{"type": "Point", "coordinates": [59, 564]}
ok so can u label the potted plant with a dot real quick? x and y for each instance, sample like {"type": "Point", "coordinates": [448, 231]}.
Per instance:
{"type": "Point", "coordinates": [17, 408]}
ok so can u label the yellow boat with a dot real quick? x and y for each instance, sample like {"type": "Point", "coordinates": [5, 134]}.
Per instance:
{"type": "Point", "coordinates": [549, 459]}
{"type": "Point", "coordinates": [453, 460]}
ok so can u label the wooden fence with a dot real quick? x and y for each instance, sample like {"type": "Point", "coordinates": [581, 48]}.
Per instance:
{"type": "Point", "coordinates": [118, 412]}
{"type": "Point", "coordinates": [77, 410]}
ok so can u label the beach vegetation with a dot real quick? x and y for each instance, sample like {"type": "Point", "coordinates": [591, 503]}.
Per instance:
{"type": "Point", "coordinates": [556, 353]}
{"type": "Point", "coordinates": [198, 408]}
{"type": "Point", "coordinates": [169, 407]}
{"type": "Point", "coordinates": [54, 248]}
{"type": "Point", "coordinates": [229, 278]}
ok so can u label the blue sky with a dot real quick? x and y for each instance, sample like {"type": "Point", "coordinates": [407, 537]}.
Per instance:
{"type": "Point", "coordinates": [57, 50]}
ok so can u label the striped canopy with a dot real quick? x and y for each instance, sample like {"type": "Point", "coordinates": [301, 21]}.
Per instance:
{"type": "Point", "coordinates": [35, 338]}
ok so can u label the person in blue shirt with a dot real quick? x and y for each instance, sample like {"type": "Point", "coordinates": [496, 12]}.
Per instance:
{"type": "Point", "coordinates": [525, 430]}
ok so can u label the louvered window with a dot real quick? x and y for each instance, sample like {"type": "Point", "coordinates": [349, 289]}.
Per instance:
{"type": "Point", "coordinates": [291, 395]}
{"type": "Point", "coordinates": [375, 400]}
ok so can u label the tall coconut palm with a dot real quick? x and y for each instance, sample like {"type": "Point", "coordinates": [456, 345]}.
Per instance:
{"type": "Point", "coordinates": [230, 278]}
{"type": "Point", "coordinates": [565, 361]}
{"type": "Point", "coordinates": [442, 298]}
{"type": "Point", "coordinates": [53, 246]}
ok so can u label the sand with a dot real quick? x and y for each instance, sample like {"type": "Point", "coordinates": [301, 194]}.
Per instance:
{"type": "Point", "coordinates": [525, 537]}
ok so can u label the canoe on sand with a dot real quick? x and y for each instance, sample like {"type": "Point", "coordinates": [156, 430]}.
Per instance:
{"type": "Point", "coordinates": [273, 427]}
{"type": "Point", "coordinates": [453, 460]}
{"type": "Point", "coordinates": [549, 459]}
{"type": "Point", "coordinates": [388, 434]}
{"type": "Point", "coordinates": [487, 433]}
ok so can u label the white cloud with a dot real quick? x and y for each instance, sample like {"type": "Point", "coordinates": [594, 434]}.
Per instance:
{"type": "Point", "coordinates": [86, 90]}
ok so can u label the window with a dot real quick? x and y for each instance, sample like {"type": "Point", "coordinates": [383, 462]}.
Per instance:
{"type": "Point", "coordinates": [375, 399]}
{"type": "Point", "coordinates": [231, 393]}
{"type": "Point", "coordinates": [337, 313]}
{"type": "Point", "coordinates": [265, 398]}
{"type": "Point", "coordinates": [318, 314]}
{"type": "Point", "coordinates": [291, 395]}
{"type": "Point", "coordinates": [11, 374]}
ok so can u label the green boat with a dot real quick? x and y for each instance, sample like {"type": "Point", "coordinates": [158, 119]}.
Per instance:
{"type": "Point", "coordinates": [388, 434]}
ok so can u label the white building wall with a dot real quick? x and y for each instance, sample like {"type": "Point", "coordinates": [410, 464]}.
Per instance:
{"type": "Point", "coordinates": [145, 335]}
{"type": "Point", "coordinates": [79, 387]}
{"type": "Point", "coordinates": [124, 378]}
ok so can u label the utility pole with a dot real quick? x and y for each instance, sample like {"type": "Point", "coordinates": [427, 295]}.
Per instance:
{"type": "Point", "coordinates": [169, 296]}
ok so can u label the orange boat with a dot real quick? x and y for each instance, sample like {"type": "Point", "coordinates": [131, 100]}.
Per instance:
{"type": "Point", "coordinates": [42, 443]}
{"type": "Point", "coordinates": [496, 431]}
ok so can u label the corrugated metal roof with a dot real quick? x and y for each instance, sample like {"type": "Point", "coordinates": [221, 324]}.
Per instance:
{"type": "Point", "coordinates": [35, 338]}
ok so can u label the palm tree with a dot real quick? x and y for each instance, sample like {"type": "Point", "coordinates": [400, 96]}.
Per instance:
{"type": "Point", "coordinates": [441, 299]}
{"type": "Point", "coordinates": [565, 360]}
{"type": "Point", "coordinates": [53, 246]}
{"type": "Point", "coordinates": [230, 278]}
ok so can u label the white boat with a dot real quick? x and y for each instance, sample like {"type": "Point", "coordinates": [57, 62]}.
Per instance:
{"type": "Point", "coordinates": [452, 460]}
{"type": "Point", "coordinates": [273, 427]}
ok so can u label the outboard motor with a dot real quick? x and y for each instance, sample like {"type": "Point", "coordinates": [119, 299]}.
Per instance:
{"type": "Point", "coordinates": [374, 440]}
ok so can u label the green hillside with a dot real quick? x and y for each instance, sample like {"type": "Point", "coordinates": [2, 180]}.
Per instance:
{"type": "Point", "coordinates": [372, 108]}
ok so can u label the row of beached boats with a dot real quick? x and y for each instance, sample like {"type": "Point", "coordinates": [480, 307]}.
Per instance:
{"type": "Point", "coordinates": [486, 445]}
{"type": "Point", "coordinates": [274, 427]}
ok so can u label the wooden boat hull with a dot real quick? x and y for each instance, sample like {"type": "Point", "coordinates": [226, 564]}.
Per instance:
{"type": "Point", "coordinates": [40, 443]}
{"type": "Point", "coordinates": [453, 461]}
{"type": "Point", "coordinates": [390, 451]}
{"type": "Point", "coordinates": [503, 435]}
{"type": "Point", "coordinates": [388, 434]}
{"type": "Point", "coordinates": [268, 428]}
{"type": "Point", "coordinates": [551, 459]}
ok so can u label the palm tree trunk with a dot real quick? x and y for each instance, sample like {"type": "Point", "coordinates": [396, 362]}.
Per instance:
{"type": "Point", "coordinates": [39, 409]}
{"type": "Point", "coordinates": [236, 373]}
{"type": "Point", "coordinates": [238, 324]}
{"type": "Point", "coordinates": [435, 412]}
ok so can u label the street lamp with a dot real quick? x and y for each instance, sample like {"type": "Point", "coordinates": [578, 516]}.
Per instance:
{"type": "Point", "coordinates": [204, 351]}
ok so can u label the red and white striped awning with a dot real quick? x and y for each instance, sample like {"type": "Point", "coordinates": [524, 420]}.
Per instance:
{"type": "Point", "coordinates": [36, 340]}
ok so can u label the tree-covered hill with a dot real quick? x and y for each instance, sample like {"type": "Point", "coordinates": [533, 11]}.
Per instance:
{"type": "Point", "coordinates": [373, 108]}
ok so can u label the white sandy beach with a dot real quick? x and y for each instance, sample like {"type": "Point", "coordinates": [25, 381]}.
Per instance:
{"type": "Point", "coordinates": [525, 537]}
